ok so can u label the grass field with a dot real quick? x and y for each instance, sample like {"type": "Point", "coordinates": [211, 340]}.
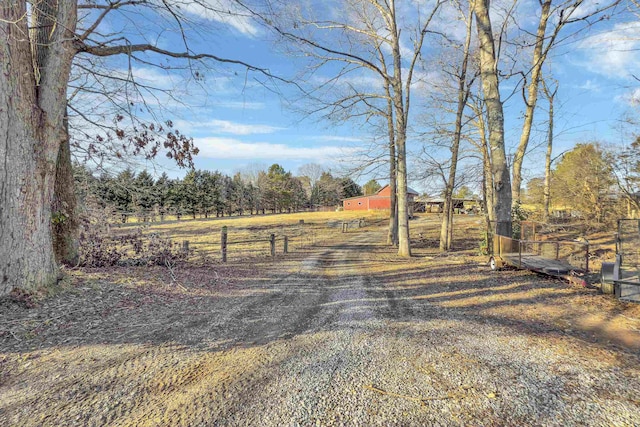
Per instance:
{"type": "Point", "coordinates": [249, 236]}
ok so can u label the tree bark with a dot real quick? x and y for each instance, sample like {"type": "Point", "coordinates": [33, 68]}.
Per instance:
{"type": "Point", "coordinates": [392, 237]}
{"type": "Point", "coordinates": [31, 133]}
{"type": "Point", "coordinates": [495, 119]}
{"type": "Point", "coordinates": [404, 242]}
{"type": "Point", "coordinates": [64, 210]}
{"type": "Point", "coordinates": [487, 177]}
{"type": "Point", "coordinates": [487, 180]}
{"type": "Point", "coordinates": [547, 164]}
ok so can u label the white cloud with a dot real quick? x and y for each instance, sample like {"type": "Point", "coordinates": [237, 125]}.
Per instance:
{"type": "Point", "coordinates": [614, 53]}
{"type": "Point", "coordinates": [361, 80]}
{"type": "Point", "coordinates": [590, 86]}
{"type": "Point", "coordinates": [241, 105]}
{"type": "Point", "coordinates": [631, 98]}
{"type": "Point", "coordinates": [154, 77]}
{"type": "Point", "coordinates": [151, 77]}
{"type": "Point", "coordinates": [223, 11]}
{"type": "Point", "coordinates": [330, 138]}
{"type": "Point", "coordinates": [587, 8]}
{"type": "Point", "coordinates": [448, 20]}
{"type": "Point", "coordinates": [228, 127]}
{"type": "Point", "coordinates": [234, 149]}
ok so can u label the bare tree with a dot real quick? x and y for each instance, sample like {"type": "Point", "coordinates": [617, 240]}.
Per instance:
{"type": "Point", "coordinates": [550, 94]}
{"type": "Point", "coordinates": [365, 43]}
{"type": "Point", "coordinates": [481, 143]}
{"type": "Point", "coordinates": [463, 89]}
{"type": "Point", "coordinates": [313, 172]}
{"type": "Point", "coordinates": [565, 13]}
{"type": "Point", "coordinates": [495, 119]}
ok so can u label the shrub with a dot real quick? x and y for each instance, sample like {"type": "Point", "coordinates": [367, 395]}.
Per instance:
{"type": "Point", "coordinates": [101, 249]}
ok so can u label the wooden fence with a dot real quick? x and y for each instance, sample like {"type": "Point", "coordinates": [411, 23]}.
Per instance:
{"type": "Point", "coordinates": [209, 242]}
{"type": "Point", "coordinates": [240, 244]}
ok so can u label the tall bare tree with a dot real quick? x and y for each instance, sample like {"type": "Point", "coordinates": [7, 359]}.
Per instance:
{"type": "Point", "coordinates": [480, 141]}
{"type": "Point", "coordinates": [550, 94]}
{"type": "Point", "coordinates": [495, 119]}
{"type": "Point", "coordinates": [556, 15]}
{"type": "Point", "coordinates": [365, 41]}
{"type": "Point", "coordinates": [446, 229]}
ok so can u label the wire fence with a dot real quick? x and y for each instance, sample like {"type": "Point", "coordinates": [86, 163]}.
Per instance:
{"type": "Point", "coordinates": [519, 252]}
{"type": "Point", "coordinates": [208, 241]}
{"type": "Point", "coordinates": [629, 249]}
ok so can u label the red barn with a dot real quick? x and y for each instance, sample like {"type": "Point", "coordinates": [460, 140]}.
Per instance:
{"type": "Point", "coordinates": [380, 200]}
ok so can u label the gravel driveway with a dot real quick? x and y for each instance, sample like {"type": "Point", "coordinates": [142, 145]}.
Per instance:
{"type": "Point", "coordinates": [331, 339]}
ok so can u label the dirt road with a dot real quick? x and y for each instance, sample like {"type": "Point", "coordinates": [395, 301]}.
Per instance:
{"type": "Point", "coordinates": [346, 335]}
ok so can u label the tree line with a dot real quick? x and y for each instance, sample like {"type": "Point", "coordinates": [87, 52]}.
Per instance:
{"type": "Point", "coordinates": [593, 182]}
{"type": "Point", "coordinates": [203, 193]}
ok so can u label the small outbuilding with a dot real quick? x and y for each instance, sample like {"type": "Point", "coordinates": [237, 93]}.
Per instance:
{"type": "Point", "coordinates": [436, 205]}
{"type": "Point", "coordinates": [379, 201]}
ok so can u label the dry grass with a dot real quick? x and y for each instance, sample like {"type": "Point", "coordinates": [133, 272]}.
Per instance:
{"type": "Point", "coordinates": [249, 236]}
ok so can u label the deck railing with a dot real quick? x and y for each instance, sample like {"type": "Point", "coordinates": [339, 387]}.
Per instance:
{"type": "Point", "coordinates": [570, 252]}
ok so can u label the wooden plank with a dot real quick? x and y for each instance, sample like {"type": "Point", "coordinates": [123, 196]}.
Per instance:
{"type": "Point", "coordinates": [509, 251]}
{"type": "Point", "coordinates": [538, 263]}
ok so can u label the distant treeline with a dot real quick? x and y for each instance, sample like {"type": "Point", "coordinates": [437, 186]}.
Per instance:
{"type": "Point", "coordinates": [206, 194]}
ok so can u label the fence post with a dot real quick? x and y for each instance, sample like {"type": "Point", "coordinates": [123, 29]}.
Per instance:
{"type": "Point", "coordinates": [587, 258]}
{"type": "Point", "coordinates": [345, 226]}
{"type": "Point", "coordinates": [286, 244]}
{"type": "Point", "coordinates": [272, 241]}
{"type": "Point", "coordinates": [223, 243]}
{"type": "Point", "coordinates": [557, 250]}
{"type": "Point", "coordinates": [185, 246]}
{"type": "Point", "coordinates": [519, 253]}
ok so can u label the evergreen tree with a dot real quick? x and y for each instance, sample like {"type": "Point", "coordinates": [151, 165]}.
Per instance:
{"type": "Point", "coordinates": [143, 197]}
{"type": "Point", "coordinates": [329, 190]}
{"type": "Point", "coordinates": [349, 188]}
{"type": "Point", "coordinates": [161, 194]}
{"type": "Point", "coordinates": [583, 181]}
{"type": "Point", "coordinates": [371, 187]}
{"type": "Point", "coordinates": [119, 192]}
{"type": "Point", "coordinates": [189, 197]}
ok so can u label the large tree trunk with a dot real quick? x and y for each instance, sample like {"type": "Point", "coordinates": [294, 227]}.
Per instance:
{"type": "Point", "coordinates": [487, 174]}
{"type": "Point", "coordinates": [547, 164]}
{"type": "Point", "coordinates": [495, 118]}
{"type": "Point", "coordinates": [404, 243]}
{"type": "Point", "coordinates": [64, 210]}
{"type": "Point", "coordinates": [400, 108]}
{"type": "Point", "coordinates": [488, 196]}
{"type": "Point", "coordinates": [531, 100]}
{"type": "Point", "coordinates": [446, 228]}
{"type": "Point", "coordinates": [392, 236]}
{"type": "Point", "coordinates": [31, 132]}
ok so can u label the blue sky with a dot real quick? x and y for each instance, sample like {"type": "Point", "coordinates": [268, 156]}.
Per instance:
{"type": "Point", "coordinates": [238, 122]}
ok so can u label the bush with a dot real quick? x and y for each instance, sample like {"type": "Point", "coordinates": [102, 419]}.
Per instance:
{"type": "Point", "coordinates": [101, 250]}
{"type": "Point", "coordinates": [518, 214]}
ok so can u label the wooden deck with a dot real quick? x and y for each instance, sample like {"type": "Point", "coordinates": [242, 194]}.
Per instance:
{"type": "Point", "coordinates": [561, 259]}
{"type": "Point", "coordinates": [537, 263]}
